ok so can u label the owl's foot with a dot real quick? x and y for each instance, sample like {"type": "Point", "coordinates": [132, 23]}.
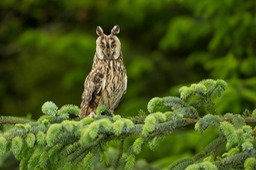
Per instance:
{"type": "Point", "coordinates": [92, 115]}
{"type": "Point", "coordinates": [107, 113]}
{"type": "Point", "coordinates": [111, 113]}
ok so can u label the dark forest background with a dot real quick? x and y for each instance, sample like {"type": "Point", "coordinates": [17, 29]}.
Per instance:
{"type": "Point", "coordinates": [47, 47]}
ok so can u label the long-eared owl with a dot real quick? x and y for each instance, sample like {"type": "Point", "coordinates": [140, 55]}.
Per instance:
{"type": "Point", "coordinates": [107, 81]}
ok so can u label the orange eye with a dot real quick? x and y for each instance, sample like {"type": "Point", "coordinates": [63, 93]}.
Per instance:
{"type": "Point", "coordinates": [113, 46]}
{"type": "Point", "coordinates": [102, 46]}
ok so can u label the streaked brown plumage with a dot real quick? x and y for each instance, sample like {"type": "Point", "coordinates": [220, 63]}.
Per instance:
{"type": "Point", "coordinates": [107, 81]}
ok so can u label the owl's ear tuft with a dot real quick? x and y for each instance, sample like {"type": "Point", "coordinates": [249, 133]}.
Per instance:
{"type": "Point", "coordinates": [115, 30]}
{"type": "Point", "coordinates": [99, 31]}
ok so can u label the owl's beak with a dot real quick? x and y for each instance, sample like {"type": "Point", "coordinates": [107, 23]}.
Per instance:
{"type": "Point", "coordinates": [108, 52]}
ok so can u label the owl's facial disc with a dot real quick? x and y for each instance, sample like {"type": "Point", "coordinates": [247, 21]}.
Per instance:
{"type": "Point", "coordinates": [108, 47]}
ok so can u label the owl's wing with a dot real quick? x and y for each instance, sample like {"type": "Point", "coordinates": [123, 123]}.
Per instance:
{"type": "Point", "coordinates": [92, 92]}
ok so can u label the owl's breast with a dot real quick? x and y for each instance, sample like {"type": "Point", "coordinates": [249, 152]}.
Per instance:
{"type": "Point", "coordinates": [114, 85]}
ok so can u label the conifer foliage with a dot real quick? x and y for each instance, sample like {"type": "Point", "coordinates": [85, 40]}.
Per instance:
{"type": "Point", "coordinates": [60, 140]}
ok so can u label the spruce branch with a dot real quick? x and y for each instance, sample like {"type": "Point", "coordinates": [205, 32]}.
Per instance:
{"type": "Point", "coordinates": [234, 161]}
{"type": "Point", "coordinates": [56, 138]}
{"type": "Point", "coordinates": [13, 120]}
{"type": "Point", "coordinates": [118, 159]}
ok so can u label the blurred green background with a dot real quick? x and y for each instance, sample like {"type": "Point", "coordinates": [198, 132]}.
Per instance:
{"type": "Point", "coordinates": [47, 47]}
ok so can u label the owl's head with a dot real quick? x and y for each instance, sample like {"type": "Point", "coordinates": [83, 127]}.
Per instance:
{"type": "Point", "coordinates": [108, 46]}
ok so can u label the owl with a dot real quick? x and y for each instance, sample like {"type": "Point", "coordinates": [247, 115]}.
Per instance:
{"type": "Point", "coordinates": [107, 81]}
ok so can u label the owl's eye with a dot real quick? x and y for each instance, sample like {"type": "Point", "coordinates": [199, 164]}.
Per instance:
{"type": "Point", "coordinates": [102, 46]}
{"type": "Point", "coordinates": [113, 46]}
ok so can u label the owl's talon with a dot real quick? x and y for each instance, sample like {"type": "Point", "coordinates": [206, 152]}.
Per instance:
{"type": "Point", "coordinates": [92, 115]}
